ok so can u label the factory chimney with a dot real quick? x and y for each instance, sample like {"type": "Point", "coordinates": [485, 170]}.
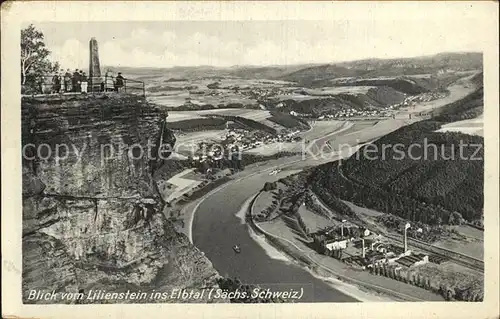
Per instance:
{"type": "Point", "coordinates": [405, 239]}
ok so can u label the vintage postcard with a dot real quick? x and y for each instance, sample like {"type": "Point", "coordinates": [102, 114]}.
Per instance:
{"type": "Point", "coordinates": [312, 159]}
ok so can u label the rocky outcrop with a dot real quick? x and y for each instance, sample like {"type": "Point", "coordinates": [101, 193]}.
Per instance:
{"type": "Point", "coordinates": [91, 210]}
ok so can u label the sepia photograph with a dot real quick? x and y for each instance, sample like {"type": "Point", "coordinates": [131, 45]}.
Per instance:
{"type": "Point", "coordinates": [234, 161]}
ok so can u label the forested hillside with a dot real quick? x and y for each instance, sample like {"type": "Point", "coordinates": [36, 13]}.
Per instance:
{"type": "Point", "coordinates": [468, 108]}
{"type": "Point", "coordinates": [415, 172]}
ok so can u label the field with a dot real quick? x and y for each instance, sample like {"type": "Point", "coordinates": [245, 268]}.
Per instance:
{"type": "Point", "coordinates": [182, 116]}
{"type": "Point", "coordinates": [472, 247]}
{"type": "Point", "coordinates": [172, 100]}
{"type": "Point", "coordinates": [297, 97]}
{"type": "Point", "coordinates": [181, 98]}
{"type": "Point", "coordinates": [472, 127]}
{"type": "Point", "coordinates": [363, 131]}
{"type": "Point", "coordinates": [215, 91]}
{"type": "Point", "coordinates": [314, 221]}
{"type": "Point", "coordinates": [273, 148]}
{"type": "Point", "coordinates": [182, 183]}
{"type": "Point", "coordinates": [187, 143]}
{"type": "Point", "coordinates": [322, 128]}
{"type": "Point", "coordinates": [288, 121]}
{"type": "Point", "coordinates": [363, 210]}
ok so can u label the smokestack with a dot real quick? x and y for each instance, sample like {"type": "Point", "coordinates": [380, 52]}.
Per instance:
{"type": "Point", "coordinates": [405, 240]}
{"type": "Point", "coordinates": [363, 241]}
{"type": "Point", "coordinates": [342, 228]}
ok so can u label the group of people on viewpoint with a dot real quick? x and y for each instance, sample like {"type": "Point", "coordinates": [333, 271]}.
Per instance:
{"type": "Point", "coordinates": [78, 82]}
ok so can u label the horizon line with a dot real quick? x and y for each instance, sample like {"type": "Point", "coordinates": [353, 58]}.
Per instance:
{"type": "Point", "coordinates": [300, 64]}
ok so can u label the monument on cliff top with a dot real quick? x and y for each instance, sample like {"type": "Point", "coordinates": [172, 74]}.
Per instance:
{"type": "Point", "coordinates": [95, 79]}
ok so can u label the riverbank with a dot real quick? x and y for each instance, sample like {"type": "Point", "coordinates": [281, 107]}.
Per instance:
{"type": "Point", "coordinates": [358, 284]}
{"type": "Point", "coordinates": [189, 210]}
{"type": "Point", "coordinates": [274, 246]}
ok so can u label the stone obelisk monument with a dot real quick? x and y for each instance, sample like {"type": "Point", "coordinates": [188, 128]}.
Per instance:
{"type": "Point", "coordinates": [95, 79]}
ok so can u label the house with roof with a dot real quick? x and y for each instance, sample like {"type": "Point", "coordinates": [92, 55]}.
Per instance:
{"type": "Point", "coordinates": [336, 244]}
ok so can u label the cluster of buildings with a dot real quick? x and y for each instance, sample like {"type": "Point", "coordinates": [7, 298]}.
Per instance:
{"type": "Point", "coordinates": [237, 140]}
{"type": "Point", "coordinates": [245, 139]}
{"type": "Point", "coordinates": [212, 153]}
{"type": "Point", "coordinates": [346, 113]}
{"type": "Point", "coordinates": [362, 248]}
{"type": "Point", "coordinates": [423, 97]}
{"type": "Point", "coordinates": [387, 111]}
{"type": "Point", "coordinates": [258, 93]}
{"type": "Point", "coordinates": [377, 252]}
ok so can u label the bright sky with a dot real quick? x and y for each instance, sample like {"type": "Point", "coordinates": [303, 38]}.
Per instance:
{"type": "Point", "coordinates": [216, 43]}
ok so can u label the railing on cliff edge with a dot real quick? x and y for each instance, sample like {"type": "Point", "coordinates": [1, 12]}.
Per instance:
{"type": "Point", "coordinates": [43, 85]}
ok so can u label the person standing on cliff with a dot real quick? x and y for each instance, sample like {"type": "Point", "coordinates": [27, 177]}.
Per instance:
{"type": "Point", "coordinates": [76, 81]}
{"type": "Point", "coordinates": [84, 82]}
{"type": "Point", "coordinates": [67, 81]}
{"type": "Point", "coordinates": [119, 82]}
{"type": "Point", "coordinates": [61, 79]}
{"type": "Point", "coordinates": [108, 81]}
{"type": "Point", "coordinates": [56, 83]}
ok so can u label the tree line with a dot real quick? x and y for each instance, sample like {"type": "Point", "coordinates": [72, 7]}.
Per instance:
{"type": "Point", "coordinates": [195, 125]}
{"type": "Point", "coordinates": [461, 290]}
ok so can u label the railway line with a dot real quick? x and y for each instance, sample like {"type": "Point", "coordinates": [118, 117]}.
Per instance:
{"type": "Point", "coordinates": [459, 258]}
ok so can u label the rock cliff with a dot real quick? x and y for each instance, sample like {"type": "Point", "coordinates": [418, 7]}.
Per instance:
{"type": "Point", "coordinates": [91, 210]}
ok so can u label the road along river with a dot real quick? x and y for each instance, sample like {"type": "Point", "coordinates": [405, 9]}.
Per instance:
{"type": "Point", "coordinates": [216, 226]}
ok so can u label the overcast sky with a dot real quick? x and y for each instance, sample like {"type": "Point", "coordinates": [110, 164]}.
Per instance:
{"type": "Point", "coordinates": [191, 43]}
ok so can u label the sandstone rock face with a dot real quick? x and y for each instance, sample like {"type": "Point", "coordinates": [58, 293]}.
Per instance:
{"type": "Point", "coordinates": [91, 211]}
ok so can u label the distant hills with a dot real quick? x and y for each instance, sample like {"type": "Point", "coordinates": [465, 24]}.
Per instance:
{"type": "Point", "coordinates": [310, 73]}
{"type": "Point", "coordinates": [457, 61]}
{"type": "Point", "coordinates": [375, 68]}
